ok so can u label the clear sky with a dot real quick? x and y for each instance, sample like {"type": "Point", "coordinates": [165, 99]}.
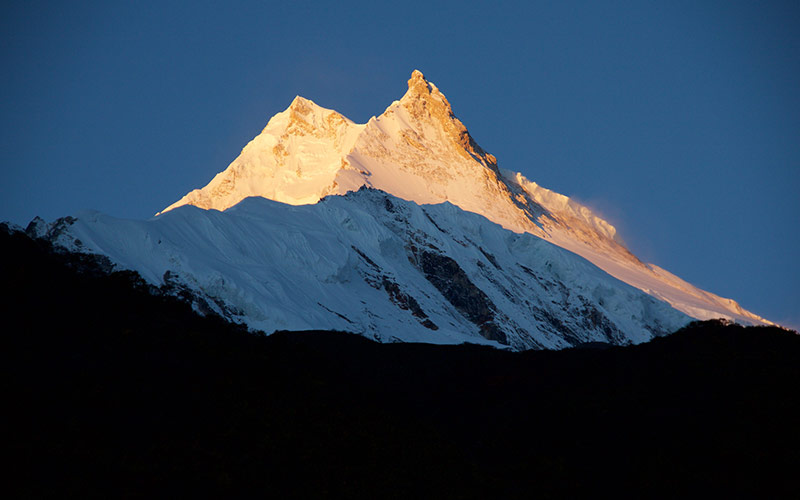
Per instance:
{"type": "Point", "coordinates": [678, 121]}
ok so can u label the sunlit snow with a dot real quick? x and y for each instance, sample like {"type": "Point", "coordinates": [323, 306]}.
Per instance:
{"type": "Point", "coordinates": [357, 263]}
{"type": "Point", "coordinates": [419, 151]}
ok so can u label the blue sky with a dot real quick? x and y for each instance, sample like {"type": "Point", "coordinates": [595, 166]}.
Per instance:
{"type": "Point", "coordinates": [678, 121]}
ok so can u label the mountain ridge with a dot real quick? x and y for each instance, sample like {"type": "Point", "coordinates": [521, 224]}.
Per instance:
{"type": "Point", "coordinates": [371, 263]}
{"type": "Point", "coordinates": [418, 150]}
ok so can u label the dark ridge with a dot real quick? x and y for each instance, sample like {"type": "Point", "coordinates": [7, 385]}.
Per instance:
{"type": "Point", "coordinates": [366, 259]}
{"type": "Point", "coordinates": [113, 390]}
{"type": "Point", "coordinates": [433, 221]}
{"type": "Point", "coordinates": [406, 302]}
{"type": "Point", "coordinates": [489, 257]}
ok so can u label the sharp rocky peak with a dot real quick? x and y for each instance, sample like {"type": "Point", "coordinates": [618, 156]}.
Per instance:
{"type": "Point", "coordinates": [302, 105]}
{"type": "Point", "coordinates": [426, 104]}
{"type": "Point", "coordinates": [423, 99]}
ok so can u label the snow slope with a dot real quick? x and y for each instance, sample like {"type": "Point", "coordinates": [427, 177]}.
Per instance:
{"type": "Point", "coordinates": [419, 151]}
{"type": "Point", "coordinates": [372, 263]}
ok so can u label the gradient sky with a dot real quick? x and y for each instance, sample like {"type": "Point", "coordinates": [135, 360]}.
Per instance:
{"type": "Point", "coordinates": [678, 121]}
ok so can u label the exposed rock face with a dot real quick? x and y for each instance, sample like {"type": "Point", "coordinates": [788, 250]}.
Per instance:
{"type": "Point", "coordinates": [38, 228]}
{"type": "Point", "coordinates": [407, 302]}
{"type": "Point", "coordinates": [454, 284]}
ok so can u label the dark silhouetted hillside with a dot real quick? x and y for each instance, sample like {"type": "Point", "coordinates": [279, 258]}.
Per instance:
{"type": "Point", "coordinates": [113, 390]}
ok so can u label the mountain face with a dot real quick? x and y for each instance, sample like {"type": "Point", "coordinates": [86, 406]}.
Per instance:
{"type": "Point", "coordinates": [419, 151]}
{"type": "Point", "coordinates": [372, 263]}
{"type": "Point", "coordinates": [400, 229]}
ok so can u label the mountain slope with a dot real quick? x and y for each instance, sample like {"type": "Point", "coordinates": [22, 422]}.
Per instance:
{"type": "Point", "coordinates": [419, 151]}
{"type": "Point", "coordinates": [374, 264]}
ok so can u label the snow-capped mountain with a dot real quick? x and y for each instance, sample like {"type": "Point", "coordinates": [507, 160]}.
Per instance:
{"type": "Point", "coordinates": [372, 263]}
{"type": "Point", "coordinates": [400, 229]}
{"type": "Point", "coordinates": [419, 151]}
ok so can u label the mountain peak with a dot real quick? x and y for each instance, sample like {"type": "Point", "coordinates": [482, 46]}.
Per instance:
{"type": "Point", "coordinates": [426, 104]}
{"type": "Point", "coordinates": [302, 105]}
{"type": "Point", "coordinates": [423, 97]}
{"type": "Point", "coordinates": [418, 82]}
{"type": "Point", "coordinates": [305, 117]}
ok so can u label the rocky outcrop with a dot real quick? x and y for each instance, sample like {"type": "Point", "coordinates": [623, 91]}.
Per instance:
{"type": "Point", "coordinates": [454, 284]}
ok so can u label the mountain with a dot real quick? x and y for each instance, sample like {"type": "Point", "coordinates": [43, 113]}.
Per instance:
{"type": "Point", "coordinates": [400, 229]}
{"type": "Point", "coordinates": [374, 264]}
{"type": "Point", "coordinates": [419, 151]}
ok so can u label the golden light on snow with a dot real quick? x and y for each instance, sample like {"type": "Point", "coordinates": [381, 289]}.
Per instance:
{"type": "Point", "coordinates": [418, 150]}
